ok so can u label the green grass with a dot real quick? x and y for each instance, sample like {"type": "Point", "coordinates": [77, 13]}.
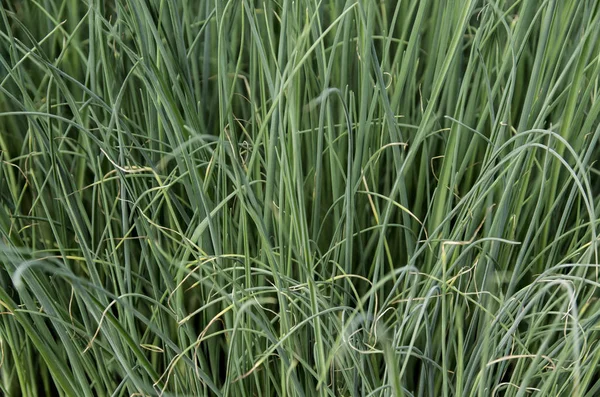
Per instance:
{"type": "Point", "coordinates": [299, 198]}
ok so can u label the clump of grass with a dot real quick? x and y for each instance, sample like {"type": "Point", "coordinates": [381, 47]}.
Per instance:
{"type": "Point", "coordinates": [299, 198]}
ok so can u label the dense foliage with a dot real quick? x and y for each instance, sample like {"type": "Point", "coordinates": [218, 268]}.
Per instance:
{"type": "Point", "coordinates": [299, 198]}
